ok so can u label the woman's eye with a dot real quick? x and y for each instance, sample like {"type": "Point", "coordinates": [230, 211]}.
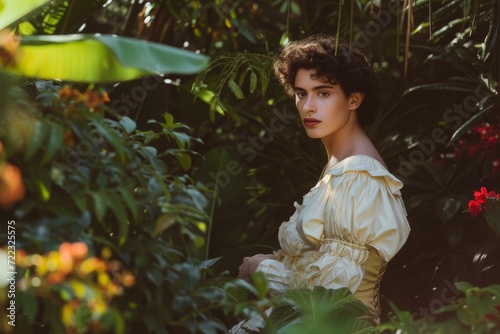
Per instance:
{"type": "Point", "coordinates": [300, 94]}
{"type": "Point", "coordinates": [323, 94]}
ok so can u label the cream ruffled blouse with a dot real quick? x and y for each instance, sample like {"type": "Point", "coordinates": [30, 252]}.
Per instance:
{"type": "Point", "coordinates": [343, 234]}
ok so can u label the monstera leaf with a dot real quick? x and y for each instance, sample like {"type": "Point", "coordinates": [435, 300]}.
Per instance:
{"type": "Point", "coordinates": [100, 58]}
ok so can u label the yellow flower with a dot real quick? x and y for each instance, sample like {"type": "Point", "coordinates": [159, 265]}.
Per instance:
{"type": "Point", "coordinates": [98, 306]}
{"type": "Point", "coordinates": [67, 314]}
{"type": "Point", "coordinates": [103, 279]}
{"type": "Point", "coordinates": [78, 288]}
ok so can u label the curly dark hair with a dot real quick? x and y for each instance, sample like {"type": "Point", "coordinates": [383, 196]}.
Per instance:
{"type": "Point", "coordinates": [341, 65]}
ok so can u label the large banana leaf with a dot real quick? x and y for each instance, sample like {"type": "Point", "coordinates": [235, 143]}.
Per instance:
{"type": "Point", "coordinates": [14, 10]}
{"type": "Point", "coordinates": [101, 58]}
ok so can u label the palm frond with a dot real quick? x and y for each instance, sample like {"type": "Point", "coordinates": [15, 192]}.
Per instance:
{"type": "Point", "coordinates": [475, 118]}
{"type": "Point", "coordinates": [441, 86]}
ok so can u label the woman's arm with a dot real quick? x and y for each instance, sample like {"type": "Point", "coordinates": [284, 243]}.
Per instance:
{"type": "Point", "coordinates": [250, 264]}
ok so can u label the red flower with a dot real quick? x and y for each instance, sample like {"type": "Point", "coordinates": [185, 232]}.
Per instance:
{"type": "Point", "coordinates": [481, 195]}
{"type": "Point", "coordinates": [485, 131]}
{"type": "Point", "coordinates": [492, 140]}
{"type": "Point", "coordinates": [474, 208]}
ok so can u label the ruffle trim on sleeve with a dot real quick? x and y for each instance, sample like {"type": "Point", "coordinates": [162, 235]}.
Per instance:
{"type": "Point", "coordinates": [365, 163]}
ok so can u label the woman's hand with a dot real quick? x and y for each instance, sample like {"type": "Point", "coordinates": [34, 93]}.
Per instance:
{"type": "Point", "coordinates": [250, 264]}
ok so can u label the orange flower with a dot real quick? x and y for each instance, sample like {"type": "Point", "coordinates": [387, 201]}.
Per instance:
{"type": "Point", "coordinates": [11, 185]}
{"type": "Point", "coordinates": [76, 251]}
{"type": "Point", "coordinates": [128, 279]}
{"type": "Point", "coordinates": [9, 45]}
{"type": "Point", "coordinates": [94, 98]}
{"type": "Point", "coordinates": [55, 278]}
{"type": "Point", "coordinates": [68, 93]}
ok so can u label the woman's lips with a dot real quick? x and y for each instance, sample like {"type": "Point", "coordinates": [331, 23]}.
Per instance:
{"type": "Point", "coordinates": [311, 121]}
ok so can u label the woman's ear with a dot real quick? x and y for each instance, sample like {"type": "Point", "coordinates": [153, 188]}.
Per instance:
{"type": "Point", "coordinates": [355, 100]}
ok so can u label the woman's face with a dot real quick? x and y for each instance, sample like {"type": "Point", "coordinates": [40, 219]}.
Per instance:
{"type": "Point", "coordinates": [323, 108]}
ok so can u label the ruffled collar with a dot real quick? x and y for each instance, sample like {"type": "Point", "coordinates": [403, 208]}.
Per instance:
{"type": "Point", "coordinates": [368, 164]}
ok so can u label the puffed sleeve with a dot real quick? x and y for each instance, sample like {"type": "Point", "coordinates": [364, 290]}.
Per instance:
{"type": "Point", "coordinates": [276, 275]}
{"type": "Point", "coordinates": [360, 210]}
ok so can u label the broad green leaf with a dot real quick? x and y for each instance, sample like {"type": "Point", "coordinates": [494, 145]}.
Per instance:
{"type": "Point", "coordinates": [253, 82]}
{"type": "Point", "coordinates": [128, 198]}
{"type": "Point", "coordinates": [493, 215]}
{"type": "Point", "coordinates": [264, 82]}
{"type": "Point", "coordinates": [185, 160]}
{"type": "Point", "coordinates": [101, 202]}
{"type": "Point", "coordinates": [155, 276]}
{"type": "Point", "coordinates": [446, 208]}
{"type": "Point", "coordinates": [208, 263]}
{"type": "Point", "coordinates": [121, 217]}
{"type": "Point", "coordinates": [40, 131]}
{"type": "Point", "coordinates": [183, 140]}
{"type": "Point", "coordinates": [162, 223]}
{"type": "Point", "coordinates": [119, 326]}
{"type": "Point", "coordinates": [111, 136]}
{"type": "Point", "coordinates": [260, 282]}
{"type": "Point", "coordinates": [207, 96]}
{"type": "Point", "coordinates": [55, 140]}
{"type": "Point", "coordinates": [12, 11]}
{"type": "Point", "coordinates": [80, 202]}
{"type": "Point", "coordinates": [100, 58]}
{"type": "Point", "coordinates": [128, 124]}
{"type": "Point", "coordinates": [235, 89]}
{"type": "Point", "coordinates": [238, 288]}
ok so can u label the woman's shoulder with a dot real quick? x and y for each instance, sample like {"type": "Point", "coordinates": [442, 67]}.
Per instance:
{"type": "Point", "coordinates": [368, 167]}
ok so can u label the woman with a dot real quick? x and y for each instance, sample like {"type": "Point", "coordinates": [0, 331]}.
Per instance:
{"type": "Point", "coordinates": [353, 221]}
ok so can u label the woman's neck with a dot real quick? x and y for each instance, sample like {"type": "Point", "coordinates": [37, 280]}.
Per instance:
{"type": "Point", "coordinates": [345, 143]}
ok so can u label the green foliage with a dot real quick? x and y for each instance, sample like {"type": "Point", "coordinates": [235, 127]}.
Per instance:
{"type": "Point", "coordinates": [477, 311]}
{"type": "Point", "coordinates": [104, 185]}
{"type": "Point", "coordinates": [300, 310]}
{"type": "Point", "coordinates": [319, 310]}
{"type": "Point", "coordinates": [112, 179]}
{"type": "Point", "coordinates": [237, 70]}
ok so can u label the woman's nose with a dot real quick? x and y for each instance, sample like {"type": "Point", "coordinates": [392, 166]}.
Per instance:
{"type": "Point", "coordinates": [309, 104]}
